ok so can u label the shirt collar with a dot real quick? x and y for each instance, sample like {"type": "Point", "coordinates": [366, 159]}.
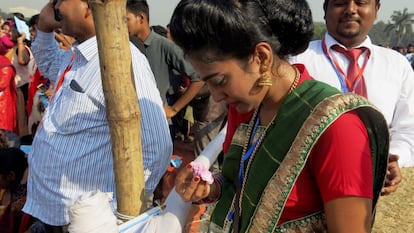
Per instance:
{"type": "Point", "coordinates": [88, 49]}
{"type": "Point", "coordinates": [151, 37]}
{"type": "Point", "coordinates": [330, 41]}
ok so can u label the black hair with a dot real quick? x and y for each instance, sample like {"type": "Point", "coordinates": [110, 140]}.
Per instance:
{"type": "Point", "coordinates": [13, 160]}
{"type": "Point", "coordinates": [19, 16]}
{"type": "Point", "coordinates": [34, 20]}
{"type": "Point", "coordinates": [325, 4]}
{"type": "Point", "coordinates": [231, 28]}
{"type": "Point", "coordinates": [159, 30]}
{"type": "Point", "coordinates": [138, 6]}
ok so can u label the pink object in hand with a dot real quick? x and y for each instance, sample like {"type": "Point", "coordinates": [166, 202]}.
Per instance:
{"type": "Point", "coordinates": [201, 171]}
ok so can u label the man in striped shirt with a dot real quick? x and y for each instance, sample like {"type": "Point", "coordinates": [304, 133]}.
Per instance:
{"type": "Point", "coordinates": [71, 152]}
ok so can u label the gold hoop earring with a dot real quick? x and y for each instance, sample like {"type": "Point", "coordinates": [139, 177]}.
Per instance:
{"type": "Point", "coordinates": [265, 80]}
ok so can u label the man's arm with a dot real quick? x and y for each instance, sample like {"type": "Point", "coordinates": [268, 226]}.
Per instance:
{"type": "Point", "coordinates": [178, 62]}
{"type": "Point", "coordinates": [188, 95]}
{"type": "Point", "coordinates": [45, 49]}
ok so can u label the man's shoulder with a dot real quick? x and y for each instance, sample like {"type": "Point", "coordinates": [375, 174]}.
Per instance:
{"type": "Point", "coordinates": [381, 52]}
{"type": "Point", "coordinates": [313, 51]}
{"type": "Point", "coordinates": [158, 39]}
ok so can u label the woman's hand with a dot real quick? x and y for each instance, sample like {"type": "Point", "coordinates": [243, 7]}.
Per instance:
{"type": "Point", "coordinates": [190, 187]}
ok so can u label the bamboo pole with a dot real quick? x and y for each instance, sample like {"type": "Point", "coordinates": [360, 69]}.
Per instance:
{"type": "Point", "coordinates": [122, 107]}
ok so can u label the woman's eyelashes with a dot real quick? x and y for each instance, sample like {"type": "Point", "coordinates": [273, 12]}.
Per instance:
{"type": "Point", "coordinates": [219, 81]}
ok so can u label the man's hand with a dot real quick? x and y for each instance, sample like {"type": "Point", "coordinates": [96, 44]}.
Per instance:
{"type": "Point", "coordinates": [47, 22]}
{"type": "Point", "coordinates": [393, 177]}
{"type": "Point", "coordinates": [170, 111]}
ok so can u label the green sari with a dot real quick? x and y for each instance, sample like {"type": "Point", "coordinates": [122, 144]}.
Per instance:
{"type": "Point", "coordinates": [281, 154]}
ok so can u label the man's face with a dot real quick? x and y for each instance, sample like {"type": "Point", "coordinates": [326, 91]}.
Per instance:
{"type": "Point", "coordinates": [134, 23]}
{"type": "Point", "coordinates": [349, 21]}
{"type": "Point", "coordinates": [73, 15]}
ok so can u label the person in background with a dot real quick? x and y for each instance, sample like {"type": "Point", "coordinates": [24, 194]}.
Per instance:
{"type": "Point", "coordinates": [72, 152]}
{"type": "Point", "coordinates": [159, 30]}
{"type": "Point", "coordinates": [165, 58]}
{"type": "Point", "coordinates": [6, 45]}
{"type": "Point", "coordinates": [384, 76]}
{"type": "Point", "coordinates": [24, 63]}
{"type": "Point", "coordinates": [184, 119]}
{"type": "Point", "coordinates": [310, 159]}
{"type": "Point", "coordinates": [13, 168]}
{"type": "Point", "coordinates": [410, 54]}
{"type": "Point", "coordinates": [37, 86]}
{"type": "Point", "coordinates": [8, 112]}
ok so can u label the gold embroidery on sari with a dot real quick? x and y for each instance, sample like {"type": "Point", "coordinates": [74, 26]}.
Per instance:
{"type": "Point", "coordinates": [274, 197]}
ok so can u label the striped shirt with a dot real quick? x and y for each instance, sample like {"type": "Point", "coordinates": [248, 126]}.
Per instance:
{"type": "Point", "coordinates": [72, 152]}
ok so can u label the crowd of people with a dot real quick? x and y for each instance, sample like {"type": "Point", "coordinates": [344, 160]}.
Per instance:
{"type": "Point", "coordinates": [311, 142]}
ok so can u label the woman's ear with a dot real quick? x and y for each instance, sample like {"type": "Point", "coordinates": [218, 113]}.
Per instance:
{"type": "Point", "coordinates": [264, 56]}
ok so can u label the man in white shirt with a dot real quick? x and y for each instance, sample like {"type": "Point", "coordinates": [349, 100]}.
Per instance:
{"type": "Point", "coordinates": [72, 152]}
{"type": "Point", "coordinates": [386, 75]}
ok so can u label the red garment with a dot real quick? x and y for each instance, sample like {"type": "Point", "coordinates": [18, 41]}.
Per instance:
{"type": "Point", "coordinates": [8, 115]}
{"type": "Point", "coordinates": [333, 169]}
{"type": "Point", "coordinates": [35, 80]}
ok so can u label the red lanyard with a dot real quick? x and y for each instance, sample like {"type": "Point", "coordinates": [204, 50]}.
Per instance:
{"type": "Point", "coordinates": [346, 86]}
{"type": "Point", "coordinates": [62, 77]}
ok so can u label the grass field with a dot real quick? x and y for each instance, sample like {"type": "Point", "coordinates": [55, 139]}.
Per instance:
{"type": "Point", "coordinates": [395, 213]}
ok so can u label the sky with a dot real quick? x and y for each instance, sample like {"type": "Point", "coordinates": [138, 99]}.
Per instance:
{"type": "Point", "coordinates": [161, 10]}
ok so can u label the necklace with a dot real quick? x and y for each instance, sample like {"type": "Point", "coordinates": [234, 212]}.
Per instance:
{"type": "Point", "coordinates": [295, 81]}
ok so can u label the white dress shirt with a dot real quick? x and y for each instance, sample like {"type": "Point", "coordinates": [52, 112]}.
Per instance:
{"type": "Point", "coordinates": [72, 151]}
{"type": "Point", "coordinates": [389, 80]}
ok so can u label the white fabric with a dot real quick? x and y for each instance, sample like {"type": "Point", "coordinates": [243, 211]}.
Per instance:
{"type": "Point", "coordinates": [172, 218]}
{"type": "Point", "coordinates": [23, 72]}
{"type": "Point", "coordinates": [389, 79]}
{"type": "Point", "coordinates": [92, 213]}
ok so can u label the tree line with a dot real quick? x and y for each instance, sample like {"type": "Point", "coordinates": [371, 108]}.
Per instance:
{"type": "Point", "coordinates": [398, 31]}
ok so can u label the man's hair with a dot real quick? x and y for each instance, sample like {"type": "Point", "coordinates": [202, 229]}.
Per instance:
{"type": "Point", "coordinates": [325, 4]}
{"type": "Point", "coordinates": [138, 6]}
{"type": "Point", "coordinates": [34, 20]}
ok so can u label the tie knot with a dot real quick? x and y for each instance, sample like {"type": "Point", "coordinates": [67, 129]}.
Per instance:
{"type": "Point", "coordinates": [351, 54]}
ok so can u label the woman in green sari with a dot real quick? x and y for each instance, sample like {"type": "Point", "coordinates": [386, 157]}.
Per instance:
{"type": "Point", "coordinates": [310, 159]}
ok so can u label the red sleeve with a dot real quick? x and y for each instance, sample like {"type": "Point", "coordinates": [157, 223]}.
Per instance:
{"type": "Point", "coordinates": [341, 160]}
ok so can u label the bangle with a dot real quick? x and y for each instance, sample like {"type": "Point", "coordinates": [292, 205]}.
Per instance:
{"type": "Point", "coordinates": [218, 181]}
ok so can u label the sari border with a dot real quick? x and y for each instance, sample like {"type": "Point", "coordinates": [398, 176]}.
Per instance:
{"type": "Point", "coordinates": [274, 197]}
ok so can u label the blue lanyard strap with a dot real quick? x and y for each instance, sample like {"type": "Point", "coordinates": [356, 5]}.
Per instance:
{"type": "Point", "coordinates": [249, 152]}
{"type": "Point", "coordinates": [341, 79]}
{"type": "Point", "coordinates": [245, 158]}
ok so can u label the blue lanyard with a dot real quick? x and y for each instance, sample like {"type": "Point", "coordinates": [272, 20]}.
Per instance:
{"type": "Point", "coordinates": [341, 79]}
{"type": "Point", "coordinates": [246, 157]}
{"type": "Point", "coordinates": [249, 152]}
